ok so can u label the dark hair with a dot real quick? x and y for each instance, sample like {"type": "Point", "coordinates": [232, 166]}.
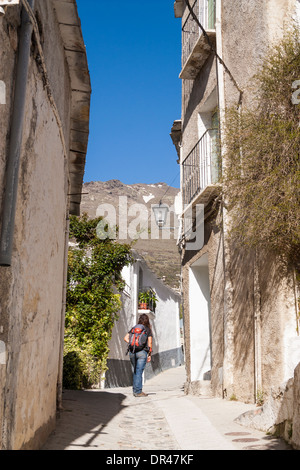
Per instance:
{"type": "Point", "coordinates": [144, 320]}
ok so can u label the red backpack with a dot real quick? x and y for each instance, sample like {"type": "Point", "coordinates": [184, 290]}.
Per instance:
{"type": "Point", "coordinates": [137, 338]}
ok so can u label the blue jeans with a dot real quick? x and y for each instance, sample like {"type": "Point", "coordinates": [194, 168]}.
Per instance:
{"type": "Point", "coordinates": [138, 362]}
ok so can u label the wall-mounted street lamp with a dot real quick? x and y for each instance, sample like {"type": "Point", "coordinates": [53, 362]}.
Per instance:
{"type": "Point", "coordinates": [160, 213]}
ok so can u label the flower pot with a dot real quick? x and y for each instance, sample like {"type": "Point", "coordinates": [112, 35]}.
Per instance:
{"type": "Point", "coordinates": [143, 306]}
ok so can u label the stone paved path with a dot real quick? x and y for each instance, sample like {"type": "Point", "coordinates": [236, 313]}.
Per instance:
{"type": "Point", "coordinates": [113, 419]}
{"type": "Point", "coordinates": [110, 421]}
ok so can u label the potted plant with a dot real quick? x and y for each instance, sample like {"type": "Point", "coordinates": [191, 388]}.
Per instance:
{"type": "Point", "coordinates": [143, 300]}
{"type": "Point", "coordinates": [147, 300]}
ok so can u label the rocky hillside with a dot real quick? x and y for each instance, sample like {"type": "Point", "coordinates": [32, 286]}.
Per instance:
{"type": "Point", "coordinates": [161, 254]}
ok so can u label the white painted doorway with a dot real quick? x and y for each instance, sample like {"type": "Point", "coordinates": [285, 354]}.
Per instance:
{"type": "Point", "coordinates": [200, 328]}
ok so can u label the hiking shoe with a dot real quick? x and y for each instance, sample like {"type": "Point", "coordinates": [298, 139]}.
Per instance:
{"type": "Point", "coordinates": [142, 394]}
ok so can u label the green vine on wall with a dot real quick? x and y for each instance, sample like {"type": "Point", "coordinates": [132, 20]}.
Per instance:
{"type": "Point", "coordinates": [262, 173]}
{"type": "Point", "coordinates": [93, 301]}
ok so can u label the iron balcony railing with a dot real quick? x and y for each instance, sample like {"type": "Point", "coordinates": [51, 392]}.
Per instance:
{"type": "Point", "coordinates": [200, 168]}
{"type": "Point", "coordinates": [205, 12]}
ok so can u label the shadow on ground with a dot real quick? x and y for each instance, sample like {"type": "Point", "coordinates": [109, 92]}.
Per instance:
{"type": "Point", "coordinates": [84, 417]}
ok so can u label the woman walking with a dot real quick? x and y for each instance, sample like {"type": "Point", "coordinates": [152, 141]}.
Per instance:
{"type": "Point", "coordinates": [139, 352]}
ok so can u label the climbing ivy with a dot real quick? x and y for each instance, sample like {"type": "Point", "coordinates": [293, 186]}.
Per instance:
{"type": "Point", "coordinates": [93, 301]}
{"type": "Point", "coordinates": [262, 149]}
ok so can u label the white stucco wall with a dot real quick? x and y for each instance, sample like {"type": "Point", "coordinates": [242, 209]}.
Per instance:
{"type": "Point", "coordinates": [199, 303]}
{"type": "Point", "coordinates": [165, 325]}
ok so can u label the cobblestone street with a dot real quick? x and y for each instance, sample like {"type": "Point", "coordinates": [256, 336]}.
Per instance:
{"type": "Point", "coordinates": [113, 419]}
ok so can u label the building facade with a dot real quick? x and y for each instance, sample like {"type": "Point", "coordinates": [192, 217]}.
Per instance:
{"type": "Point", "coordinates": [240, 321]}
{"type": "Point", "coordinates": [164, 318]}
{"type": "Point", "coordinates": [44, 109]}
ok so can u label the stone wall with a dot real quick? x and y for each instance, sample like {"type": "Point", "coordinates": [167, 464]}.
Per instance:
{"type": "Point", "coordinates": [295, 438]}
{"type": "Point", "coordinates": [280, 414]}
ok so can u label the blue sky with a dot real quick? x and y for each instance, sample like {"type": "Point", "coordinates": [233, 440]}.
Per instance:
{"type": "Point", "coordinates": [133, 50]}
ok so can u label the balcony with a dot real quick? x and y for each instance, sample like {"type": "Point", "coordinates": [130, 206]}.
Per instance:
{"type": "Point", "coordinates": [195, 47]}
{"type": "Point", "coordinates": [200, 170]}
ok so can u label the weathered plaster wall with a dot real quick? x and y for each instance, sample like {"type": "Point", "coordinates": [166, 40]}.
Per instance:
{"type": "Point", "coordinates": [119, 370]}
{"type": "Point", "coordinates": [31, 289]}
{"type": "Point", "coordinates": [242, 276]}
{"type": "Point", "coordinates": [248, 30]}
{"type": "Point", "coordinates": [42, 191]}
{"type": "Point", "coordinates": [252, 306]}
{"type": "Point", "coordinates": [9, 42]}
{"type": "Point", "coordinates": [195, 94]}
{"type": "Point", "coordinates": [246, 38]}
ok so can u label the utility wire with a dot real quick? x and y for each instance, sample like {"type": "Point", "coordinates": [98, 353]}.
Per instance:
{"type": "Point", "coordinates": [214, 51]}
{"type": "Point", "coordinates": [169, 186]}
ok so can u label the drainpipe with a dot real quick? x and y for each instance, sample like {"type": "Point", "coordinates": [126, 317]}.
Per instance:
{"type": "Point", "coordinates": [13, 163]}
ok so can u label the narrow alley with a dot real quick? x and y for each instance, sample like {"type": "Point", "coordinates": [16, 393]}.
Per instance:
{"type": "Point", "coordinates": [112, 419]}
